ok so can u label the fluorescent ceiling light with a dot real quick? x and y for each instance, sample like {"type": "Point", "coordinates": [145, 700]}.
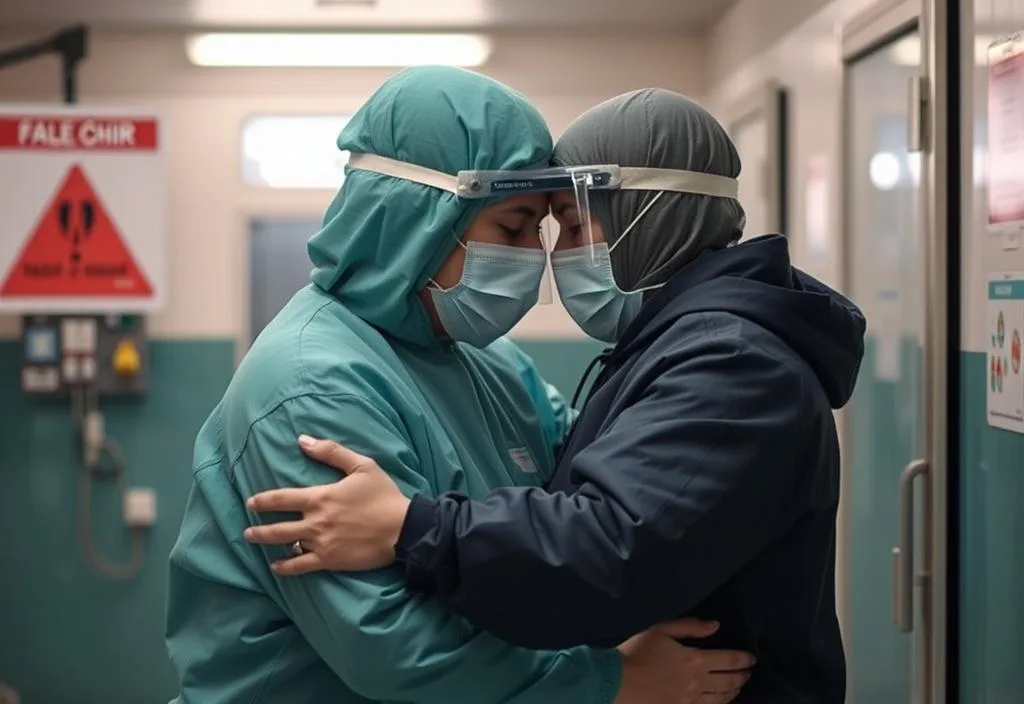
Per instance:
{"type": "Point", "coordinates": [336, 50]}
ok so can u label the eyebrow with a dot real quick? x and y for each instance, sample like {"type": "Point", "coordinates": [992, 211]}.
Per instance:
{"type": "Point", "coordinates": [560, 210]}
{"type": "Point", "coordinates": [523, 210]}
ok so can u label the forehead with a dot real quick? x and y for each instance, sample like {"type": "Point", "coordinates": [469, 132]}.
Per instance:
{"type": "Point", "coordinates": [528, 204]}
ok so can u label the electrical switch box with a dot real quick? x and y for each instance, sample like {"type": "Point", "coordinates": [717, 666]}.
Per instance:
{"type": "Point", "coordinates": [106, 354]}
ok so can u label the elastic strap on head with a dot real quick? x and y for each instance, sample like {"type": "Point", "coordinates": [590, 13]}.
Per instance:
{"type": "Point", "coordinates": [678, 181]}
{"type": "Point", "coordinates": [403, 170]}
{"type": "Point", "coordinates": [631, 225]}
{"type": "Point", "coordinates": [632, 177]}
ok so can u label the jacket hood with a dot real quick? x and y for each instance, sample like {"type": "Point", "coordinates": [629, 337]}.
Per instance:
{"type": "Point", "coordinates": [756, 281]}
{"type": "Point", "coordinates": [382, 237]}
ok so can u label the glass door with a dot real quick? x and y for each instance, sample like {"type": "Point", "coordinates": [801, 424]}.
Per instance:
{"type": "Point", "coordinates": [899, 204]}
{"type": "Point", "coordinates": [885, 425]}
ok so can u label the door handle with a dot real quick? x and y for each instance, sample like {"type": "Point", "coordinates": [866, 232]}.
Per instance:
{"type": "Point", "coordinates": [903, 553]}
{"type": "Point", "coordinates": [917, 92]}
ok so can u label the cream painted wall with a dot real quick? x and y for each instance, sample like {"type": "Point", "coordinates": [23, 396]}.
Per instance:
{"type": "Point", "coordinates": [204, 110]}
{"type": "Point", "coordinates": [807, 62]}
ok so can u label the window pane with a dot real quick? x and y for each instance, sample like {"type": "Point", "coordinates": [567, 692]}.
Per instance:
{"type": "Point", "coordinates": [293, 151]}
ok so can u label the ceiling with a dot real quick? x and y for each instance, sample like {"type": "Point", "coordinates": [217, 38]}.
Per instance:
{"type": "Point", "coordinates": [538, 15]}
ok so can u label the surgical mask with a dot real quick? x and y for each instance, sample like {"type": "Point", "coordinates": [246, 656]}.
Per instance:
{"type": "Point", "coordinates": [586, 285]}
{"type": "Point", "coordinates": [499, 285]}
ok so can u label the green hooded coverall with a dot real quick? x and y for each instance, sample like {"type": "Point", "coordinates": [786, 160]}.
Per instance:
{"type": "Point", "coordinates": [353, 358]}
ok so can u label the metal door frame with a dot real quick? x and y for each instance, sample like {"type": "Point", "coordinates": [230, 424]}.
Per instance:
{"type": "Point", "coordinates": [870, 30]}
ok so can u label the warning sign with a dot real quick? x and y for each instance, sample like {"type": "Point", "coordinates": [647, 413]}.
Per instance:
{"type": "Point", "coordinates": [75, 250]}
{"type": "Point", "coordinates": [82, 210]}
{"type": "Point", "coordinates": [91, 133]}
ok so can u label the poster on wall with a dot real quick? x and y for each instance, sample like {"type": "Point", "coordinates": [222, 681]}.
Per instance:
{"type": "Point", "coordinates": [1006, 140]}
{"type": "Point", "coordinates": [1004, 328]}
{"type": "Point", "coordinates": [82, 204]}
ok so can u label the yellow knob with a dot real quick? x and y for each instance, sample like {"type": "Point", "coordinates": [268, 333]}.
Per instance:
{"type": "Point", "coordinates": [126, 359]}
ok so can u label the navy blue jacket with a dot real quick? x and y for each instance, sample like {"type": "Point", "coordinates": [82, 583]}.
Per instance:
{"type": "Point", "coordinates": [701, 479]}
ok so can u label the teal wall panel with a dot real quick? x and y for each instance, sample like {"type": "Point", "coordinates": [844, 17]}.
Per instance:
{"type": "Point", "coordinates": [992, 538]}
{"type": "Point", "coordinates": [562, 362]}
{"type": "Point", "coordinates": [884, 431]}
{"type": "Point", "coordinates": [991, 500]}
{"type": "Point", "coordinates": [68, 635]}
{"type": "Point", "coordinates": [992, 549]}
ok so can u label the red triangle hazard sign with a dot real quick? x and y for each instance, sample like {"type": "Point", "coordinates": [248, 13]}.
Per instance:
{"type": "Point", "coordinates": [75, 250]}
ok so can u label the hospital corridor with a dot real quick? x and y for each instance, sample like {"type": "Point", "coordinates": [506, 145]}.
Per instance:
{"type": "Point", "coordinates": [511, 351]}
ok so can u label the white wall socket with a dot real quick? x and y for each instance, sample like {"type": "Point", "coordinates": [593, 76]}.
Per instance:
{"type": "Point", "coordinates": [139, 507]}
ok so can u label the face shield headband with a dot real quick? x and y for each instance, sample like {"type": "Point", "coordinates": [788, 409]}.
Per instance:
{"type": "Point", "coordinates": [449, 183]}
{"type": "Point", "coordinates": [581, 180]}
{"type": "Point", "coordinates": [584, 180]}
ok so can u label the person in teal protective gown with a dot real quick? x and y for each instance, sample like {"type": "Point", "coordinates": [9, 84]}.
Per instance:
{"type": "Point", "coordinates": [357, 356]}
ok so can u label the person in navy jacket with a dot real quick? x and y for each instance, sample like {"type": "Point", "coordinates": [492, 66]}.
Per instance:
{"type": "Point", "coordinates": [702, 475]}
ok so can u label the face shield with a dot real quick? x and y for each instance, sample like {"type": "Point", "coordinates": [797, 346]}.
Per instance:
{"type": "Point", "coordinates": [548, 230]}
{"type": "Point", "coordinates": [572, 187]}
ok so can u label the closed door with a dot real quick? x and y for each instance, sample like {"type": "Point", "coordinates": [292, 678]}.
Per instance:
{"type": "Point", "coordinates": [278, 265]}
{"type": "Point", "coordinates": [885, 421]}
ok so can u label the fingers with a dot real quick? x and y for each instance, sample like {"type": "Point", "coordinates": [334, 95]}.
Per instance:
{"type": "Point", "coordinates": [687, 628]}
{"type": "Point", "coordinates": [302, 564]}
{"type": "Point", "coordinates": [334, 455]}
{"type": "Point", "coordinates": [725, 682]}
{"type": "Point", "coordinates": [719, 698]}
{"type": "Point", "coordinates": [278, 533]}
{"type": "Point", "coordinates": [291, 499]}
{"type": "Point", "coordinates": [727, 660]}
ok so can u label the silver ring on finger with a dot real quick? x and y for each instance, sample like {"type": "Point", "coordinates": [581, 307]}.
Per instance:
{"type": "Point", "coordinates": [298, 548]}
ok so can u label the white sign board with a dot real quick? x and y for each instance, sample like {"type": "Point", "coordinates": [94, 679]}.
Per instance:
{"type": "Point", "coordinates": [1004, 327]}
{"type": "Point", "coordinates": [82, 210]}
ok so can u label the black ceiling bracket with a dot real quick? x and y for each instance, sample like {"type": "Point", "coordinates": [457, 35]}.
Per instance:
{"type": "Point", "coordinates": [71, 44]}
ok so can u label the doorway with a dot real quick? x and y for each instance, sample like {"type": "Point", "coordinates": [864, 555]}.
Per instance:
{"type": "Point", "coordinates": [896, 238]}
{"type": "Point", "coordinates": [278, 266]}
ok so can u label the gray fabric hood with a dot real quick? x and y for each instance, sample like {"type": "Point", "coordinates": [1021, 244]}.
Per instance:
{"type": "Point", "coordinates": [659, 129]}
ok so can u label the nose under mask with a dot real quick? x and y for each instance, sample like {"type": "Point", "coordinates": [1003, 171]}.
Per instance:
{"type": "Point", "coordinates": [499, 285]}
{"type": "Point", "coordinates": [587, 287]}
{"type": "Point", "coordinates": [590, 295]}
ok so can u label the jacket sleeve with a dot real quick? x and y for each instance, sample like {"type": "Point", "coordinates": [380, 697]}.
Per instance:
{"type": "Point", "coordinates": [679, 492]}
{"type": "Point", "coordinates": [384, 642]}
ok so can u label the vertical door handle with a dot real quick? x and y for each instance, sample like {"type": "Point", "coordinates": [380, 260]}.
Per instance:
{"type": "Point", "coordinates": [903, 553]}
{"type": "Point", "coordinates": [917, 92]}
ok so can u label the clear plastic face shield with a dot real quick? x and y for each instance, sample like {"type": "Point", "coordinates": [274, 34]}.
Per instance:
{"type": "Point", "coordinates": [571, 224]}
{"type": "Point", "coordinates": [547, 231]}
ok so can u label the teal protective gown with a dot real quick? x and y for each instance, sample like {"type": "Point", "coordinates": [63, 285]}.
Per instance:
{"type": "Point", "coordinates": [353, 358]}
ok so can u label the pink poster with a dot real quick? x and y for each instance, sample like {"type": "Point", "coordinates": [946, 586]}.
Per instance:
{"type": "Point", "coordinates": [1006, 132]}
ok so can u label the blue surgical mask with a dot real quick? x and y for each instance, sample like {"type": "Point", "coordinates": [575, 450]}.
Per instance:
{"type": "Point", "coordinates": [499, 285]}
{"type": "Point", "coordinates": [586, 285]}
{"type": "Point", "coordinates": [589, 293]}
